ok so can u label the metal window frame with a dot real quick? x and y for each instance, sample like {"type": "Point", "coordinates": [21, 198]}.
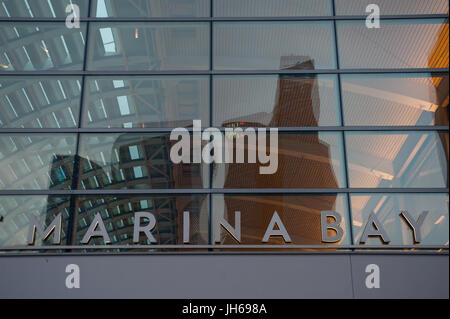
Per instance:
{"type": "Point", "coordinates": [222, 72]}
{"type": "Point", "coordinates": [210, 192]}
{"type": "Point", "coordinates": [232, 19]}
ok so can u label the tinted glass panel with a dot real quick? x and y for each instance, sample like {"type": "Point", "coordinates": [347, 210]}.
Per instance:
{"type": "Point", "coordinates": [299, 214]}
{"type": "Point", "coordinates": [118, 214]}
{"type": "Point", "coordinates": [387, 208]}
{"type": "Point", "coordinates": [397, 159]}
{"type": "Point", "coordinates": [303, 160]}
{"type": "Point", "coordinates": [37, 161]}
{"type": "Point", "coordinates": [396, 44]}
{"type": "Point", "coordinates": [17, 211]}
{"type": "Point", "coordinates": [389, 7]}
{"type": "Point", "coordinates": [44, 102]}
{"type": "Point", "coordinates": [146, 101]}
{"type": "Point", "coordinates": [282, 100]}
{"type": "Point", "coordinates": [35, 46]}
{"type": "Point", "coordinates": [273, 45]}
{"type": "Point", "coordinates": [118, 161]}
{"type": "Point", "coordinates": [151, 8]}
{"type": "Point", "coordinates": [391, 99]}
{"type": "Point", "coordinates": [40, 8]}
{"type": "Point", "coordinates": [149, 46]}
{"type": "Point", "coordinates": [262, 8]}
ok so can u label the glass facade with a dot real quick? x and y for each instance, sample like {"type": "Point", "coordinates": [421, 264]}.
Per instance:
{"type": "Point", "coordinates": [86, 115]}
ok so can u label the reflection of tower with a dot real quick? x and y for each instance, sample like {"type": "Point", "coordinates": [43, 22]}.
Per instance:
{"type": "Point", "coordinates": [304, 160]}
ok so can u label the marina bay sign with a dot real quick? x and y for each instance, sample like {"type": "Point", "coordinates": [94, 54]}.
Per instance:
{"type": "Point", "coordinates": [332, 230]}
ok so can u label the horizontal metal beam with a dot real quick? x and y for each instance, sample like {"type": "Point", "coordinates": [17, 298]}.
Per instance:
{"type": "Point", "coordinates": [228, 19]}
{"type": "Point", "coordinates": [218, 72]}
{"type": "Point", "coordinates": [169, 129]}
{"type": "Point", "coordinates": [237, 191]}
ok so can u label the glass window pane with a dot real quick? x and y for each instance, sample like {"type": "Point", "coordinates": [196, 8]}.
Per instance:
{"type": "Point", "coordinates": [273, 45]}
{"type": "Point", "coordinates": [263, 8]}
{"type": "Point", "coordinates": [36, 46]}
{"type": "Point", "coordinates": [397, 44]}
{"type": "Point", "coordinates": [39, 102]}
{"type": "Point", "coordinates": [36, 161]}
{"type": "Point", "coordinates": [309, 160]}
{"type": "Point", "coordinates": [397, 159]}
{"type": "Point", "coordinates": [271, 100]}
{"type": "Point", "coordinates": [118, 214]}
{"type": "Point", "coordinates": [300, 214]}
{"type": "Point", "coordinates": [395, 99]}
{"type": "Point", "coordinates": [151, 8]}
{"type": "Point", "coordinates": [132, 161]}
{"type": "Point", "coordinates": [17, 211]}
{"type": "Point", "coordinates": [148, 46]}
{"type": "Point", "coordinates": [146, 101]}
{"type": "Point", "coordinates": [387, 209]}
{"type": "Point", "coordinates": [389, 7]}
{"type": "Point", "coordinates": [40, 8]}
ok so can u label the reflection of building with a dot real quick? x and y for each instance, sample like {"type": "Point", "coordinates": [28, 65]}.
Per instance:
{"type": "Point", "coordinates": [138, 162]}
{"type": "Point", "coordinates": [308, 166]}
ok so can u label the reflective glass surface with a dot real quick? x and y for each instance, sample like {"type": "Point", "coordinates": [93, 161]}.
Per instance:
{"type": "Point", "coordinates": [397, 44]}
{"type": "Point", "coordinates": [397, 159]}
{"type": "Point", "coordinates": [36, 46]}
{"type": "Point", "coordinates": [17, 211]}
{"type": "Point", "coordinates": [395, 99]}
{"type": "Point", "coordinates": [308, 160]}
{"type": "Point", "coordinates": [387, 208]}
{"type": "Point", "coordinates": [151, 8]}
{"type": "Point", "coordinates": [39, 102]}
{"type": "Point", "coordinates": [263, 8]}
{"type": "Point", "coordinates": [146, 101]}
{"type": "Point", "coordinates": [40, 8]}
{"type": "Point", "coordinates": [300, 215]}
{"type": "Point", "coordinates": [389, 7]}
{"type": "Point", "coordinates": [132, 161]}
{"type": "Point", "coordinates": [148, 46]}
{"type": "Point", "coordinates": [95, 117]}
{"type": "Point", "coordinates": [271, 100]}
{"type": "Point", "coordinates": [36, 161]}
{"type": "Point", "coordinates": [273, 45]}
{"type": "Point", "coordinates": [118, 214]}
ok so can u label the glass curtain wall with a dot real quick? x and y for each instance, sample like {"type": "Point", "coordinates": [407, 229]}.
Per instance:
{"type": "Point", "coordinates": [86, 114]}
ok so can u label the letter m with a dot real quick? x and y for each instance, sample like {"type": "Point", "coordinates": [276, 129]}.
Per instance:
{"type": "Point", "coordinates": [36, 228]}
